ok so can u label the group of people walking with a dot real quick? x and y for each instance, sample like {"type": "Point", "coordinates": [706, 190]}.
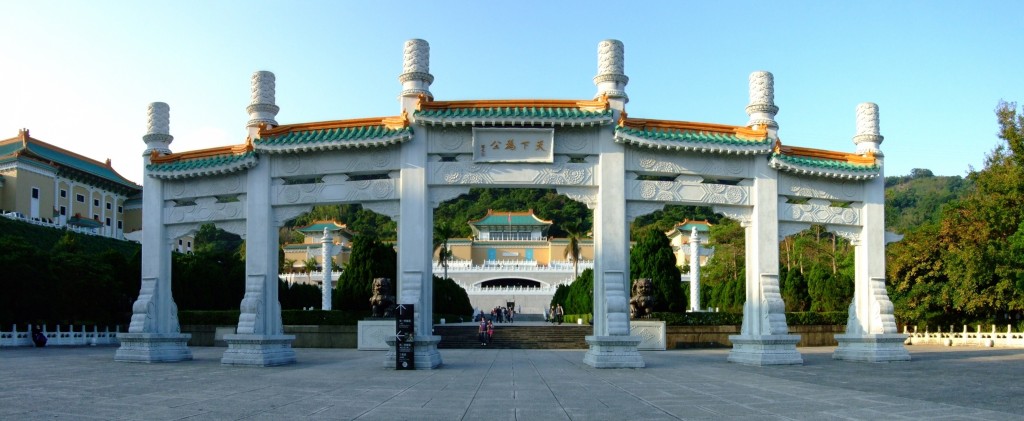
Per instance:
{"type": "Point", "coordinates": [485, 331]}
{"type": "Point", "coordinates": [556, 314]}
{"type": "Point", "coordinates": [503, 314]}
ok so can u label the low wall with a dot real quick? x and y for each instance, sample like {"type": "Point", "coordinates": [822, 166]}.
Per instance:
{"type": "Point", "coordinates": [677, 337]}
{"type": "Point", "coordinates": [306, 336]}
{"type": "Point", "coordinates": [680, 337]}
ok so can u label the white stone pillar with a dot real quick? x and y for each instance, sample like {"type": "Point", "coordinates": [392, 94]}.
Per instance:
{"type": "Point", "coordinates": [611, 346]}
{"type": "Point", "coordinates": [764, 338]}
{"type": "Point", "coordinates": [325, 287]}
{"type": "Point", "coordinates": [260, 338]}
{"type": "Point", "coordinates": [415, 283]}
{"type": "Point", "coordinates": [871, 333]}
{"type": "Point", "coordinates": [154, 334]}
{"type": "Point", "coordinates": [262, 107]}
{"type": "Point", "coordinates": [695, 269]}
{"type": "Point", "coordinates": [762, 109]}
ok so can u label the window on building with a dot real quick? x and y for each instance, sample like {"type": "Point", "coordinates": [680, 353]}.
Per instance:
{"type": "Point", "coordinates": [79, 198]}
{"type": "Point", "coordinates": [95, 217]}
{"type": "Point", "coordinates": [109, 206]}
{"type": "Point", "coordinates": [120, 225]}
{"type": "Point", "coordinates": [35, 193]}
{"type": "Point", "coordinates": [179, 241]}
{"type": "Point", "coordinates": [95, 202]}
{"type": "Point", "coordinates": [120, 209]}
{"type": "Point", "coordinates": [63, 211]}
{"type": "Point", "coordinates": [108, 222]}
{"type": "Point", "coordinates": [63, 193]}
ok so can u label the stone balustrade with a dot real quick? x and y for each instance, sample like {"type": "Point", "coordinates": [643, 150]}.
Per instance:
{"type": "Point", "coordinates": [457, 266]}
{"type": "Point", "coordinates": [69, 337]}
{"type": "Point", "coordinates": [314, 277]}
{"type": "Point", "coordinates": [993, 338]}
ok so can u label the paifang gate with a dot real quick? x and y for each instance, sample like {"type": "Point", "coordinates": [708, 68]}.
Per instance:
{"type": "Point", "coordinates": [622, 167]}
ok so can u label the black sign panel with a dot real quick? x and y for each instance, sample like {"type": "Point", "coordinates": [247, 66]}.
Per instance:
{"type": "Point", "coordinates": [404, 345]}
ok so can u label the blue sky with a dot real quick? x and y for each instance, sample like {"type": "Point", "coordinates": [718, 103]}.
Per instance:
{"type": "Point", "coordinates": [80, 74]}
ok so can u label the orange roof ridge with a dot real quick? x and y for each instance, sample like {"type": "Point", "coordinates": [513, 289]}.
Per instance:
{"type": "Point", "coordinates": [202, 153]}
{"type": "Point", "coordinates": [646, 123]}
{"type": "Point", "coordinates": [391, 122]}
{"type": "Point", "coordinates": [594, 105]}
{"type": "Point", "coordinates": [824, 154]}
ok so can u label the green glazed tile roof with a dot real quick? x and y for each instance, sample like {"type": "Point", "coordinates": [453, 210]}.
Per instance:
{"type": "Point", "coordinates": [332, 138]}
{"type": "Point", "coordinates": [505, 219]}
{"type": "Point", "coordinates": [823, 167]}
{"type": "Point", "coordinates": [319, 227]}
{"type": "Point", "coordinates": [67, 162]}
{"type": "Point", "coordinates": [691, 140]}
{"type": "Point", "coordinates": [218, 164]}
{"type": "Point", "coordinates": [499, 115]}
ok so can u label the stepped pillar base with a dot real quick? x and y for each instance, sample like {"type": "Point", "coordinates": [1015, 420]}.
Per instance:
{"type": "Point", "coordinates": [258, 350]}
{"type": "Point", "coordinates": [425, 355]}
{"type": "Point", "coordinates": [614, 352]}
{"type": "Point", "coordinates": [153, 347]}
{"type": "Point", "coordinates": [878, 348]}
{"type": "Point", "coordinates": [762, 350]}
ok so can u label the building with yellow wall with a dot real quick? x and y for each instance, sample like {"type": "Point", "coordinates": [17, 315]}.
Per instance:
{"type": "Point", "coordinates": [50, 185]}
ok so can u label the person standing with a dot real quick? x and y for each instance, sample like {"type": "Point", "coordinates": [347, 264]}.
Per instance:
{"type": "Point", "coordinates": [551, 314]}
{"type": "Point", "coordinates": [482, 331]}
{"type": "Point", "coordinates": [490, 332]}
{"type": "Point", "coordinates": [559, 313]}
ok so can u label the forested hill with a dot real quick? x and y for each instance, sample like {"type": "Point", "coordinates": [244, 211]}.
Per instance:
{"type": "Point", "coordinates": [918, 198]}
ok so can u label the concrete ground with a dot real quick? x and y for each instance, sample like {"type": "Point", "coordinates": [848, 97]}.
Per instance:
{"type": "Point", "coordinates": [487, 384]}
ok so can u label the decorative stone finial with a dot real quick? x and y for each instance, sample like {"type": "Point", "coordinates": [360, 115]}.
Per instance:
{"type": "Point", "coordinates": [611, 78]}
{"type": "Point", "coordinates": [762, 107]}
{"type": "Point", "coordinates": [416, 77]}
{"type": "Point", "coordinates": [262, 107]}
{"type": "Point", "coordinates": [868, 137]}
{"type": "Point", "coordinates": [158, 129]}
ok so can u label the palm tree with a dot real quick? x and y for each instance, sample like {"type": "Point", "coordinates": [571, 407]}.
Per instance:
{"type": "Point", "coordinates": [573, 231]}
{"type": "Point", "coordinates": [442, 232]}
{"type": "Point", "coordinates": [310, 266]}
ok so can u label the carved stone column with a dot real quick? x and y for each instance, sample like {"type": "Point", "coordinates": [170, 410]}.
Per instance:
{"type": "Point", "coordinates": [262, 108]}
{"type": "Point", "coordinates": [260, 339]}
{"type": "Point", "coordinates": [695, 269]}
{"type": "Point", "coordinates": [762, 109]}
{"type": "Point", "coordinates": [611, 346]}
{"type": "Point", "coordinates": [154, 334]}
{"type": "Point", "coordinates": [764, 338]}
{"type": "Point", "coordinates": [416, 216]}
{"type": "Point", "coordinates": [871, 333]}
{"type": "Point", "coordinates": [326, 244]}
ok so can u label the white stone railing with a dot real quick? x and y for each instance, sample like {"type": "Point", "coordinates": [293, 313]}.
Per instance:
{"type": "Point", "coordinates": [56, 224]}
{"type": "Point", "coordinates": [512, 265]}
{"type": "Point", "coordinates": [514, 290]}
{"type": "Point", "coordinates": [69, 337]}
{"type": "Point", "coordinates": [314, 277]}
{"type": "Point", "coordinates": [995, 338]}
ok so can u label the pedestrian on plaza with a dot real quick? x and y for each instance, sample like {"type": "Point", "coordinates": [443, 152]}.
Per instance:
{"type": "Point", "coordinates": [490, 332]}
{"type": "Point", "coordinates": [559, 313]}
{"type": "Point", "coordinates": [481, 332]}
{"type": "Point", "coordinates": [551, 314]}
{"type": "Point", "coordinates": [38, 338]}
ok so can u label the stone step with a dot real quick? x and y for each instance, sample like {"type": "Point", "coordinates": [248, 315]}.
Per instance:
{"type": "Point", "coordinates": [517, 337]}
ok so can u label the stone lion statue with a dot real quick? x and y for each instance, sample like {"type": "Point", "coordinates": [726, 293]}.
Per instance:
{"type": "Point", "coordinates": [641, 304]}
{"type": "Point", "coordinates": [382, 302]}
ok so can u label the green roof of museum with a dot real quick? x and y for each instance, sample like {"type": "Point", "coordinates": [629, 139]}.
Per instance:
{"type": "Point", "coordinates": [503, 218]}
{"type": "Point", "coordinates": [339, 134]}
{"type": "Point", "coordinates": [501, 112]}
{"type": "Point", "coordinates": [64, 162]}
{"type": "Point", "coordinates": [683, 135]}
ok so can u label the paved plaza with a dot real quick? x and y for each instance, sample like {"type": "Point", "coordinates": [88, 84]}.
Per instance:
{"type": "Point", "coordinates": [486, 384]}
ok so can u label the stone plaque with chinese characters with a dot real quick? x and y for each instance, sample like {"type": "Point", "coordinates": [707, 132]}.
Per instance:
{"type": "Point", "coordinates": [513, 145]}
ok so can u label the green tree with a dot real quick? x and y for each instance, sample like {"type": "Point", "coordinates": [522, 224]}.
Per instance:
{"type": "Point", "coordinates": [652, 257]}
{"type": "Point", "coordinates": [580, 298]}
{"type": "Point", "coordinates": [443, 230]}
{"type": "Point", "coordinates": [574, 230]}
{"type": "Point", "coordinates": [370, 259]}
{"type": "Point", "coordinates": [724, 275]}
{"type": "Point", "coordinates": [450, 298]}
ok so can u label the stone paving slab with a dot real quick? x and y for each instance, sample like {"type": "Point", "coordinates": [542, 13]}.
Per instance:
{"type": "Point", "coordinates": [343, 384]}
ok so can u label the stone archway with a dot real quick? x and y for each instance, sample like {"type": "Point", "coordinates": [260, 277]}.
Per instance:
{"type": "Point", "coordinates": [589, 150]}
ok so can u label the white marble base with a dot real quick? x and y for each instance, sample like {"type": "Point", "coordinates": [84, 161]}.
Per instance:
{"type": "Point", "coordinates": [258, 350]}
{"type": "Point", "coordinates": [879, 348]}
{"type": "Point", "coordinates": [651, 333]}
{"type": "Point", "coordinates": [372, 334]}
{"type": "Point", "coordinates": [613, 352]}
{"type": "Point", "coordinates": [425, 354]}
{"type": "Point", "coordinates": [765, 350]}
{"type": "Point", "coordinates": [153, 347]}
